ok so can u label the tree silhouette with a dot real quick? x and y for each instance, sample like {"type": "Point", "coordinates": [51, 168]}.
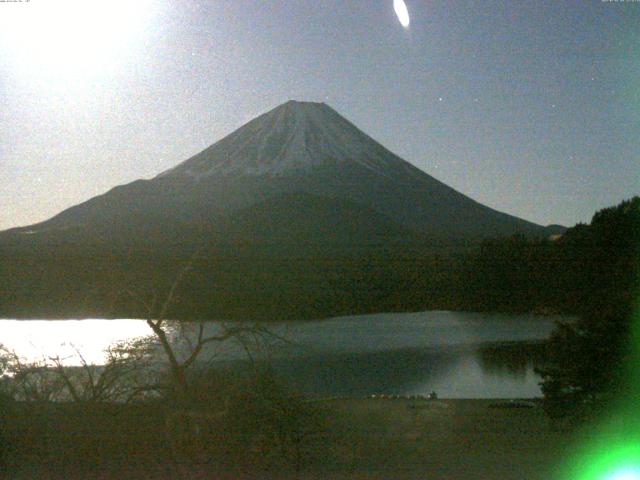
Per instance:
{"type": "Point", "coordinates": [586, 368]}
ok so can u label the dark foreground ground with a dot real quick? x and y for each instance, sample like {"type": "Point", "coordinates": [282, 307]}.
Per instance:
{"type": "Point", "coordinates": [444, 439]}
{"type": "Point", "coordinates": [356, 439]}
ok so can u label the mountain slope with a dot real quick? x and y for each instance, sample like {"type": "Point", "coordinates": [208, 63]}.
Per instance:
{"type": "Point", "coordinates": [295, 148]}
{"type": "Point", "coordinates": [297, 214]}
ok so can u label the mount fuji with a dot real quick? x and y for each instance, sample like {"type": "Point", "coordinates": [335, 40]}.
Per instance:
{"type": "Point", "coordinates": [298, 150]}
{"type": "Point", "coordinates": [299, 213]}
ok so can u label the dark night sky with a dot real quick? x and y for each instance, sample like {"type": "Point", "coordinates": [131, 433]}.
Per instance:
{"type": "Point", "coordinates": [531, 107]}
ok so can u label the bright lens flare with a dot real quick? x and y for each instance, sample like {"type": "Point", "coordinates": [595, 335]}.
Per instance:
{"type": "Point", "coordinates": [70, 36]}
{"type": "Point", "coordinates": [631, 474]}
{"type": "Point", "coordinates": [614, 455]}
{"type": "Point", "coordinates": [401, 11]}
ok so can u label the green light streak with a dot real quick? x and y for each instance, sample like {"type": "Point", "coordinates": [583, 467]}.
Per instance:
{"type": "Point", "coordinates": [606, 461]}
{"type": "Point", "coordinates": [612, 451]}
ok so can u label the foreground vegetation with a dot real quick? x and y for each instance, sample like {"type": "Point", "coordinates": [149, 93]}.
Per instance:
{"type": "Point", "coordinates": [178, 418]}
{"type": "Point", "coordinates": [445, 439]}
{"type": "Point", "coordinates": [253, 277]}
{"type": "Point", "coordinates": [593, 361]}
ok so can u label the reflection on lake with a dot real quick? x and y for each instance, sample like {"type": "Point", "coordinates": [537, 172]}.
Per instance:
{"type": "Point", "coordinates": [457, 354]}
{"type": "Point", "coordinates": [452, 372]}
{"type": "Point", "coordinates": [38, 339]}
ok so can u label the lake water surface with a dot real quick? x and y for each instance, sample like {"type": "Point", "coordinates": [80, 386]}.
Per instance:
{"type": "Point", "coordinates": [457, 354]}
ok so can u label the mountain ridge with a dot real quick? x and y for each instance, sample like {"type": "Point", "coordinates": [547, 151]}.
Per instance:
{"type": "Point", "coordinates": [298, 147]}
{"type": "Point", "coordinates": [297, 214]}
{"type": "Point", "coordinates": [294, 136]}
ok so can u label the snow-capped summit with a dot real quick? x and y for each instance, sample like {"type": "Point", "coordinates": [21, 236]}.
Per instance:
{"type": "Point", "coordinates": [298, 150]}
{"type": "Point", "coordinates": [292, 138]}
{"type": "Point", "coordinates": [288, 214]}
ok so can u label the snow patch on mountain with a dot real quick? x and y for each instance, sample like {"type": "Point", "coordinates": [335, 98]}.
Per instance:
{"type": "Point", "coordinates": [294, 137]}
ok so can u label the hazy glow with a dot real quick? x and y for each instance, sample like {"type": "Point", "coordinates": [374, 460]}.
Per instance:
{"type": "Point", "coordinates": [613, 454]}
{"type": "Point", "coordinates": [625, 474]}
{"type": "Point", "coordinates": [402, 12]}
{"type": "Point", "coordinates": [69, 37]}
{"type": "Point", "coordinates": [611, 450]}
